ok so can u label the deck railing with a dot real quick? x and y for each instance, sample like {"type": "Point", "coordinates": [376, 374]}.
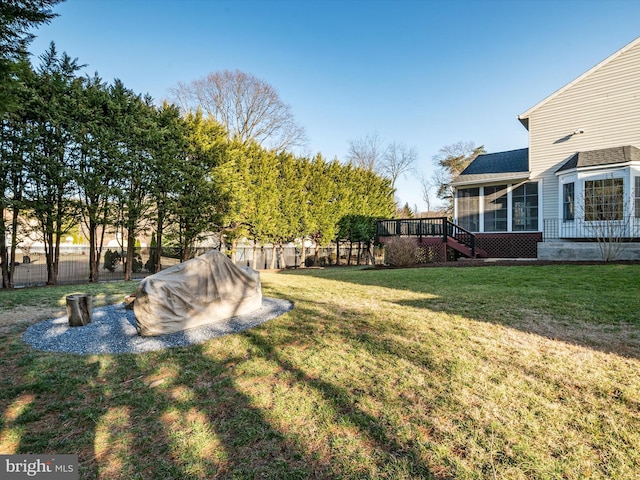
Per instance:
{"type": "Point", "coordinates": [412, 227]}
{"type": "Point", "coordinates": [425, 227]}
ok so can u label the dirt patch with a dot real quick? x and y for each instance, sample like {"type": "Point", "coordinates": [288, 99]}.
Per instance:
{"type": "Point", "coordinates": [20, 317]}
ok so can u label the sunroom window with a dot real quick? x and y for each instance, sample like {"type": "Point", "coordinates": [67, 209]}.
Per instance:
{"type": "Point", "coordinates": [495, 208]}
{"type": "Point", "coordinates": [525, 207]}
{"type": "Point", "coordinates": [468, 211]}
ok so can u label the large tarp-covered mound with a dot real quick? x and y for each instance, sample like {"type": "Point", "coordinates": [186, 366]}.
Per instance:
{"type": "Point", "coordinates": [206, 289]}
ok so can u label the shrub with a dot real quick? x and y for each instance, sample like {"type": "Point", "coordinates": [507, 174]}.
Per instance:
{"type": "Point", "coordinates": [151, 264]}
{"type": "Point", "coordinates": [111, 260]}
{"type": "Point", "coordinates": [403, 251]}
{"type": "Point", "coordinates": [136, 266]}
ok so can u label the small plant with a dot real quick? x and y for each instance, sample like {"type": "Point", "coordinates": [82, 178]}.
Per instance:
{"type": "Point", "coordinates": [136, 266]}
{"type": "Point", "coordinates": [111, 260]}
{"type": "Point", "coordinates": [152, 263]}
{"type": "Point", "coordinates": [403, 252]}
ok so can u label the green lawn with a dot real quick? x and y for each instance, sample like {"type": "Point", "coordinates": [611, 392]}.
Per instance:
{"type": "Point", "coordinates": [523, 372]}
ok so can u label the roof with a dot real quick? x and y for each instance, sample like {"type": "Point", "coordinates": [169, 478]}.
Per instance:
{"type": "Point", "coordinates": [492, 167]}
{"type": "Point", "coordinates": [524, 117]}
{"type": "Point", "coordinates": [604, 156]}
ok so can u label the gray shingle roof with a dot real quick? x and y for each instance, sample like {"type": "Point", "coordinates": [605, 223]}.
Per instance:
{"type": "Point", "coordinates": [494, 167]}
{"type": "Point", "coordinates": [605, 156]}
{"type": "Point", "coordinates": [501, 162]}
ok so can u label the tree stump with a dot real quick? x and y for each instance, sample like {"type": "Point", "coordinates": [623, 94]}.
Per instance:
{"type": "Point", "coordinates": [79, 309]}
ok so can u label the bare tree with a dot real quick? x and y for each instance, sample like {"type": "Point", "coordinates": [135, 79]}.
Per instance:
{"type": "Point", "coordinates": [366, 152]}
{"type": "Point", "coordinates": [426, 187]}
{"type": "Point", "coordinates": [248, 107]}
{"type": "Point", "coordinates": [398, 160]}
{"type": "Point", "coordinates": [450, 162]}
{"type": "Point", "coordinates": [608, 217]}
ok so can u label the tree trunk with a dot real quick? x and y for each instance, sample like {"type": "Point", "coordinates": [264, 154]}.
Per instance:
{"type": "Point", "coordinates": [131, 245]}
{"type": "Point", "coordinates": [52, 253]}
{"type": "Point", "coordinates": [273, 256]}
{"type": "Point", "coordinates": [283, 263]}
{"type": "Point", "coordinates": [303, 256]}
{"type": "Point", "coordinates": [6, 280]}
{"type": "Point", "coordinates": [234, 244]}
{"type": "Point", "coordinates": [93, 261]}
{"type": "Point", "coordinates": [79, 310]}
{"type": "Point", "coordinates": [159, 234]}
{"type": "Point", "coordinates": [369, 254]}
{"type": "Point", "coordinates": [254, 259]}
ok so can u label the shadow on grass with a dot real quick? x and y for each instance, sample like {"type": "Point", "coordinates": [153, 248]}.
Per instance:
{"type": "Point", "coordinates": [177, 414]}
{"type": "Point", "coordinates": [376, 430]}
{"type": "Point", "coordinates": [593, 306]}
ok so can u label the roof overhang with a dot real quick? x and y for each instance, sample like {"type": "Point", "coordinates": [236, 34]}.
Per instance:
{"type": "Point", "coordinates": [595, 168]}
{"type": "Point", "coordinates": [463, 180]}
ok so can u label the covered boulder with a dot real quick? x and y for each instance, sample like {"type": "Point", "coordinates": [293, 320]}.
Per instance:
{"type": "Point", "coordinates": [206, 289]}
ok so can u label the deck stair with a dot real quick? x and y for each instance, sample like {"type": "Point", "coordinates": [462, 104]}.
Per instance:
{"type": "Point", "coordinates": [454, 236]}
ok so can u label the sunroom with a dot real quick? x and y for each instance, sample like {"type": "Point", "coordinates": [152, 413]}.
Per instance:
{"type": "Point", "coordinates": [495, 199]}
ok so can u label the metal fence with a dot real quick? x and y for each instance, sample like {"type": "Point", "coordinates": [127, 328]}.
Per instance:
{"type": "Point", "coordinates": [73, 268]}
{"type": "Point", "coordinates": [624, 228]}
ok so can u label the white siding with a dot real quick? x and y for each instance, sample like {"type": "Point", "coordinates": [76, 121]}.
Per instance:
{"type": "Point", "coordinates": [605, 104]}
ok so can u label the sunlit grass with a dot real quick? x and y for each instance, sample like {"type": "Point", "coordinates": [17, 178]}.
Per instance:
{"type": "Point", "coordinates": [472, 373]}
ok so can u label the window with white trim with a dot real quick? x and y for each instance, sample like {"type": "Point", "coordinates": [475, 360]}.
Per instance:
{"type": "Point", "coordinates": [604, 199]}
{"type": "Point", "coordinates": [568, 202]}
{"type": "Point", "coordinates": [524, 211]}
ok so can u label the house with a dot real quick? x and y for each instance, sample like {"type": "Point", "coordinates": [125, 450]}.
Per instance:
{"type": "Point", "coordinates": [577, 183]}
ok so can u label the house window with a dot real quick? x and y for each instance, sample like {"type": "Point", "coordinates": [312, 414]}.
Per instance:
{"type": "Point", "coordinates": [495, 208]}
{"type": "Point", "coordinates": [525, 207]}
{"type": "Point", "coordinates": [603, 199]}
{"type": "Point", "coordinates": [568, 202]}
{"type": "Point", "coordinates": [636, 196]}
{"type": "Point", "coordinates": [468, 212]}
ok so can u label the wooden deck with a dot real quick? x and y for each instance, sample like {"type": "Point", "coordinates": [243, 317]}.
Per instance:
{"type": "Point", "coordinates": [438, 230]}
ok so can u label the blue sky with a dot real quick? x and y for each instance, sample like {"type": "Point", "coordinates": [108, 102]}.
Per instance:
{"type": "Point", "coordinates": [424, 73]}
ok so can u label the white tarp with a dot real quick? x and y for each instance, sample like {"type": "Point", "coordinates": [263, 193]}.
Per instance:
{"type": "Point", "coordinates": [206, 289]}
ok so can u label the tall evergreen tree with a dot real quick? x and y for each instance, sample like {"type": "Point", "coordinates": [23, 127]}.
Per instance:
{"type": "Point", "coordinates": [17, 18]}
{"type": "Point", "coordinates": [134, 130]}
{"type": "Point", "coordinates": [264, 220]}
{"type": "Point", "coordinates": [49, 168]}
{"type": "Point", "coordinates": [200, 202]}
{"type": "Point", "coordinates": [168, 154]}
{"type": "Point", "coordinates": [96, 152]}
{"type": "Point", "coordinates": [16, 136]}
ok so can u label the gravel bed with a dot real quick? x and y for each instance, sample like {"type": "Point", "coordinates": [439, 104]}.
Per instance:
{"type": "Point", "coordinates": [113, 330]}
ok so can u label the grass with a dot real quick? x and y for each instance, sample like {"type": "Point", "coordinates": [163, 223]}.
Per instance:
{"type": "Point", "coordinates": [471, 373]}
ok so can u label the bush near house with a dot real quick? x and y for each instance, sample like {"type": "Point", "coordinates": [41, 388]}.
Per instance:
{"type": "Point", "coordinates": [404, 252]}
